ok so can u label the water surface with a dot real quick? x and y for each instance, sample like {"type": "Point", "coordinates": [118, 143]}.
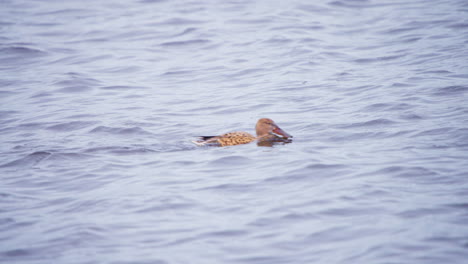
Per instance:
{"type": "Point", "coordinates": [99, 101]}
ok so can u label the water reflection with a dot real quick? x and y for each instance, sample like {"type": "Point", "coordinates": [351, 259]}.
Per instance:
{"type": "Point", "coordinates": [275, 141]}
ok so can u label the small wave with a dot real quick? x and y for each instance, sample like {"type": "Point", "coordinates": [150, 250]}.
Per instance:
{"type": "Point", "coordinates": [231, 160]}
{"type": "Point", "coordinates": [406, 171]}
{"type": "Point", "coordinates": [4, 94]}
{"type": "Point", "coordinates": [224, 234]}
{"type": "Point", "coordinates": [69, 126]}
{"type": "Point", "coordinates": [460, 205]}
{"type": "Point", "coordinates": [461, 76]}
{"type": "Point", "coordinates": [378, 59]}
{"type": "Point", "coordinates": [22, 51]}
{"type": "Point", "coordinates": [387, 107]}
{"type": "Point", "coordinates": [411, 116]}
{"type": "Point", "coordinates": [377, 107]}
{"type": "Point", "coordinates": [451, 90]}
{"type": "Point", "coordinates": [67, 156]}
{"type": "Point", "coordinates": [305, 28]}
{"type": "Point", "coordinates": [120, 150]}
{"type": "Point", "coordinates": [30, 160]}
{"type": "Point", "coordinates": [67, 11]}
{"type": "Point", "coordinates": [398, 84]}
{"type": "Point", "coordinates": [5, 114]}
{"type": "Point", "coordinates": [73, 79]}
{"type": "Point", "coordinates": [180, 21]}
{"type": "Point", "coordinates": [371, 123]}
{"type": "Point", "coordinates": [120, 131]}
{"type": "Point", "coordinates": [230, 110]}
{"type": "Point", "coordinates": [278, 40]}
{"type": "Point", "coordinates": [441, 72]}
{"type": "Point", "coordinates": [458, 26]}
{"type": "Point", "coordinates": [229, 187]}
{"type": "Point", "coordinates": [422, 212]}
{"type": "Point", "coordinates": [122, 87]}
{"type": "Point", "coordinates": [395, 31]}
{"type": "Point", "coordinates": [71, 235]}
{"type": "Point", "coordinates": [152, 1]}
{"type": "Point", "coordinates": [14, 253]}
{"type": "Point", "coordinates": [250, 21]}
{"type": "Point", "coordinates": [435, 131]}
{"type": "Point", "coordinates": [348, 212]}
{"type": "Point", "coordinates": [181, 72]}
{"type": "Point", "coordinates": [244, 73]}
{"type": "Point", "coordinates": [186, 31]}
{"type": "Point", "coordinates": [41, 94]}
{"type": "Point", "coordinates": [122, 69]}
{"type": "Point", "coordinates": [352, 136]}
{"type": "Point", "coordinates": [168, 206]}
{"type": "Point", "coordinates": [75, 89]}
{"type": "Point", "coordinates": [311, 171]}
{"type": "Point", "coordinates": [356, 4]}
{"type": "Point", "coordinates": [6, 83]}
{"type": "Point", "coordinates": [185, 43]}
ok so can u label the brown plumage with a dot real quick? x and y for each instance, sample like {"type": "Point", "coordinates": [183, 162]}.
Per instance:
{"type": "Point", "coordinates": [266, 130]}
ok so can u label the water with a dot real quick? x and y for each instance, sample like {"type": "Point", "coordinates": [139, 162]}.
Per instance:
{"type": "Point", "coordinates": [100, 100]}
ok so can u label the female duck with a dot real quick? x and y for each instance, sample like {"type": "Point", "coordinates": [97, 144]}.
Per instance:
{"type": "Point", "coordinates": [266, 129]}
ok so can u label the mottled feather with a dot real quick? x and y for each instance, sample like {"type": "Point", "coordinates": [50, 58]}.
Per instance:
{"type": "Point", "coordinates": [266, 130]}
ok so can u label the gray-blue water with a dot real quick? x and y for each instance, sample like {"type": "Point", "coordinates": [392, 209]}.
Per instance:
{"type": "Point", "coordinates": [100, 100]}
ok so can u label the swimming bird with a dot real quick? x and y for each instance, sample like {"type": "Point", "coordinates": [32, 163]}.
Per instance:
{"type": "Point", "coordinates": [266, 129]}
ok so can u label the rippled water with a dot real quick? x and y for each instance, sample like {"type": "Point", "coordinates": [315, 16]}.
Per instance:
{"type": "Point", "coordinates": [100, 100]}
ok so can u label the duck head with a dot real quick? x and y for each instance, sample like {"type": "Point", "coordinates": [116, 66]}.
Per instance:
{"type": "Point", "coordinates": [266, 126]}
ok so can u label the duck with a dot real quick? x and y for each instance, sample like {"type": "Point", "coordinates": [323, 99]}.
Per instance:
{"type": "Point", "coordinates": [266, 129]}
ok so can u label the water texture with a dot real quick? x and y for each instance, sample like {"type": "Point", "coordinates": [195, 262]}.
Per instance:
{"type": "Point", "coordinates": [99, 101]}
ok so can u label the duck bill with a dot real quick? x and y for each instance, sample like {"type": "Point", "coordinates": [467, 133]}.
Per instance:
{"type": "Point", "coordinates": [281, 132]}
